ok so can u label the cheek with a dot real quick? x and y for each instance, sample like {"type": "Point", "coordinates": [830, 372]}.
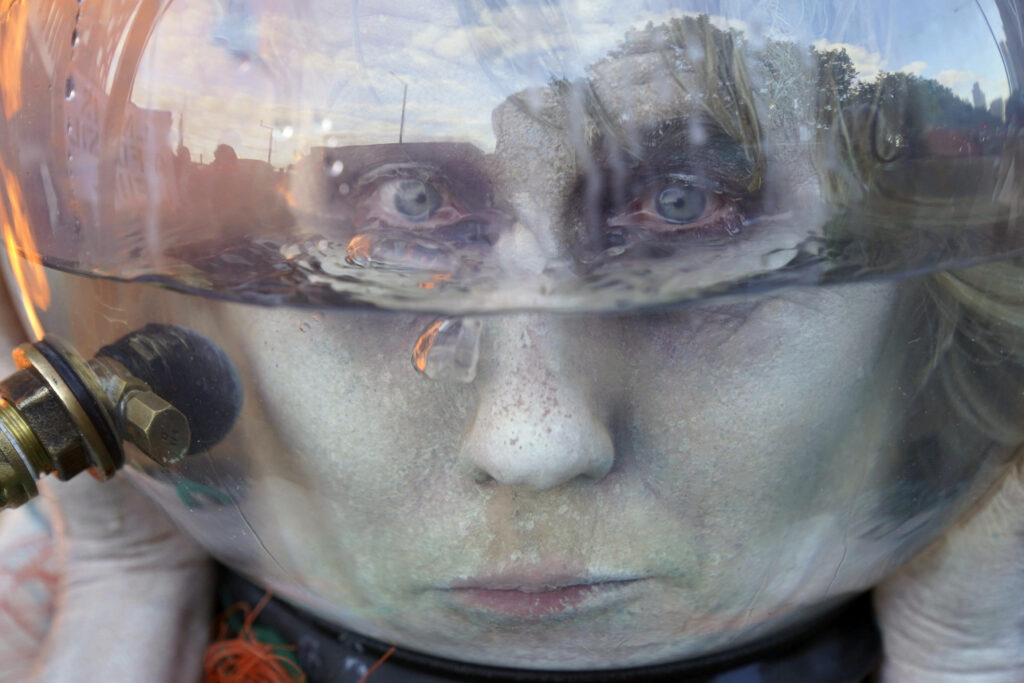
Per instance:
{"type": "Point", "coordinates": [341, 391]}
{"type": "Point", "coordinates": [757, 400]}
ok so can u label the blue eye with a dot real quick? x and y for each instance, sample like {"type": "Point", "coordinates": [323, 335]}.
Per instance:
{"type": "Point", "coordinates": [679, 203]}
{"type": "Point", "coordinates": [416, 200]}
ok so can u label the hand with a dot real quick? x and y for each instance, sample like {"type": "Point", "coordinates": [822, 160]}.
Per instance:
{"type": "Point", "coordinates": [133, 596]}
{"type": "Point", "coordinates": [956, 612]}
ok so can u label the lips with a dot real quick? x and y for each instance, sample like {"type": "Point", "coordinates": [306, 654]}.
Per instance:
{"type": "Point", "coordinates": [536, 595]}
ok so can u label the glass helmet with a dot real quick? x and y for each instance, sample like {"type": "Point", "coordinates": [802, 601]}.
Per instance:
{"type": "Point", "coordinates": [563, 334]}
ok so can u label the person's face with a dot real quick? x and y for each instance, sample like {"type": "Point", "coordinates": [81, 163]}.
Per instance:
{"type": "Point", "coordinates": [593, 490]}
{"type": "Point", "coordinates": [610, 489]}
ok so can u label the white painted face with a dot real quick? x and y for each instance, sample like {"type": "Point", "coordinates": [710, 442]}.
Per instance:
{"type": "Point", "coordinates": [582, 490]}
{"type": "Point", "coordinates": [609, 490]}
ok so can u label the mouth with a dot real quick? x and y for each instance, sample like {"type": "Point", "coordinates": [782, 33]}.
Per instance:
{"type": "Point", "coordinates": [538, 596]}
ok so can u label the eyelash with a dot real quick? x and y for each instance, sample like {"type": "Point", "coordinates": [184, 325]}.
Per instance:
{"type": "Point", "coordinates": [636, 219]}
{"type": "Point", "coordinates": [380, 203]}
{"type": "Point", "coordinates": [642, 210]}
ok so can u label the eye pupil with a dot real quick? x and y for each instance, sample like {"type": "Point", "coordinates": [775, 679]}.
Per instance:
{"type": "Point", "coordinates": [678, 203]}
{"type": "Point", "coordinates": [416, 200]}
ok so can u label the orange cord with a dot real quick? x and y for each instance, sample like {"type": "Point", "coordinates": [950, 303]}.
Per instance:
{"type": "Point", "coordinates": [244, 659]}
{"type": "Point", "coordinates": [377, 664]}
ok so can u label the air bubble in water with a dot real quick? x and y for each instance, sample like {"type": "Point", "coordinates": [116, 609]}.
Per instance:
{"type": "Point", "coordinates": [336, 168]}
{"type": "Point", "coordinates": [344, 189]}
{"type": "Point", "coordinates": [69, 89]}
{"type": "Point", "coordinates": [449, 349]}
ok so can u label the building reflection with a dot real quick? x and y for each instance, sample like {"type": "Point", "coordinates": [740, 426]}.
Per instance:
{"type": "Point", "coordinates": [109, 178]}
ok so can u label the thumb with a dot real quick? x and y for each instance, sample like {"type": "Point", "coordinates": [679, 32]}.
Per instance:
{"type": "Point", "coordinates": [135, 597]}
{"type": "Point", "coordinates": [955, 613]}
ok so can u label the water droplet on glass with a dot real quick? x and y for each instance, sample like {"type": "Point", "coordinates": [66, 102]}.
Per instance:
{"type": "Point", "coordinates": [448, 350]}
{"type": "Point", "coordinates": [69, 89]}
{"type": "Point", "coordinates": [333, 141]}
{"type": "Point", "coordinates": [400, 250]}
{"type": "Point", "coordinates": [69, 129]}
{"type": "Point", "coordinates": [336, 168]}
{"type": "Point", "coordinates": [325, 124]}
{"type": "Point", "coordinates": [344, 189]}
{"type": "Point", "coordinates": [74, 38]}
{"type": "Point", "coordinates": [304, 327]}
{"type": "Point", "coordinates": [287, 132]}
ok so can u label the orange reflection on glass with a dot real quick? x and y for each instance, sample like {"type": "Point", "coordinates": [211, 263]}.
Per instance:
{"type": "Point", "coordinates": [13, 31]}
{"type": "Point", "coordinates": [424, 344]}
{"type": "Point", "coordinates": [434, 279]}
{"type": "Point", "coordinates": [288, 196]}
{"type": "Point", "coordinates": [26, 264]}
{"type": "Point", "coordinates": [358, 249]}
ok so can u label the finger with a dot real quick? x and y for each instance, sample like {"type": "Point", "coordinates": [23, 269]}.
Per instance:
{"type": "Point", "coordinates": [954, 613]}
{"type": "Point", "coordinates": [135, 599]}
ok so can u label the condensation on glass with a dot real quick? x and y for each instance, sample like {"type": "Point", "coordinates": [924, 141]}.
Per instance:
{"type": "Point", "coordinates": [572, 334]}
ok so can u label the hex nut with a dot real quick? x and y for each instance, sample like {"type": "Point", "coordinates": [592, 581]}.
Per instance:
{"type": "Point", "coordinates": [17, 486]}
{"type": "Point", "coordinates": [156, 427]}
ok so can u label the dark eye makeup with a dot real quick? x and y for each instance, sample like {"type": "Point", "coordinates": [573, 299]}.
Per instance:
{"type": "Point", "coordinates": [670, 190]}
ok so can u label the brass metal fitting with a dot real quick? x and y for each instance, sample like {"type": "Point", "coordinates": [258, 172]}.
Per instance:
{"type": "Point", "coordinates": [155, 426]}
{"type": "Point", "coordinates": [60, 414]}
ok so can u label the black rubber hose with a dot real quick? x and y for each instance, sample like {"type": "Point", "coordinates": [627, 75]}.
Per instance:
{"type": "Point", "coordinates": [188, 371]}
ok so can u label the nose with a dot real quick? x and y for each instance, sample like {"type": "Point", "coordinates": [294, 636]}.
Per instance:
{"type": "Point", "coordinates": [538, 422]}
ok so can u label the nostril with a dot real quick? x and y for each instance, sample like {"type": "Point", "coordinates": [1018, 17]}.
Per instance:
{"type": "Point", "coordinates": [479, 475]}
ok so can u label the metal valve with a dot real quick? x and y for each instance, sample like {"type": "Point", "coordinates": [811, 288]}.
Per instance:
{"type": "Point", "coordinates": [61, 414]}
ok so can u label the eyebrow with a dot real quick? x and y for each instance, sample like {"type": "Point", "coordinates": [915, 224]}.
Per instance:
{"type": "Point", "coordinates": [460, 164]}
{"type": "Point", "coordinates": [670, 145]}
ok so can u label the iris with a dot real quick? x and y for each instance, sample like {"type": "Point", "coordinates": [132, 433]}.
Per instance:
{"type": "Point", "coordinates": [678, 203]}
{"type": "Point", "coordinates": [416, 200]}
